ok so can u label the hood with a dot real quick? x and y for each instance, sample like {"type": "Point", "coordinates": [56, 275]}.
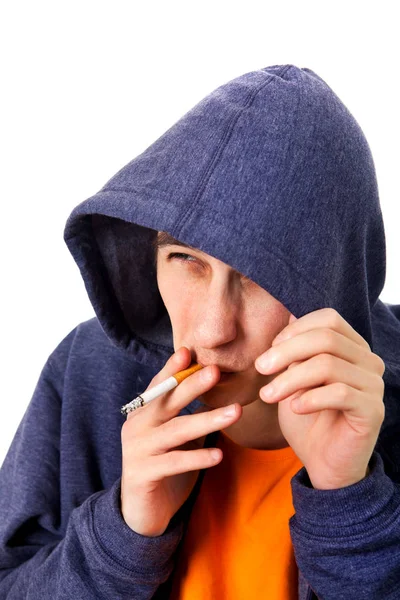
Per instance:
{"type": "Point", "coordinates": [269, 173]}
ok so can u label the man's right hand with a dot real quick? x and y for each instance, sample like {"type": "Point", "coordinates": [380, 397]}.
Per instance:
{"type": "Point", "coordinates": [162, 453]}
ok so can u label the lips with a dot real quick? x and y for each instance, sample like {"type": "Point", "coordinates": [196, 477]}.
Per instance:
{"type": "Point", "coordinates": [204, 364]}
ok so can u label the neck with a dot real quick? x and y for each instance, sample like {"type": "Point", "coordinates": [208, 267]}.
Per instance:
{"type": "Point", "coordinates": [258, 427]}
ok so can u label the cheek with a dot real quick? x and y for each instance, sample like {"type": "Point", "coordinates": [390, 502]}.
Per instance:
{"type": "Point", "coordinates": [177, 303]}
{"type": "Point", "coordinates": [280, 316]}
{"type": "Point", "coordinates": [264, 319]}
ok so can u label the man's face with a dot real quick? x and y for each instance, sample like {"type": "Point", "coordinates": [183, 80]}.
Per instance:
{"type": "Point", "coordinates": [223, 318]}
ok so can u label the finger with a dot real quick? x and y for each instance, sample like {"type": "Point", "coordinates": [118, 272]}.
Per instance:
{"type": "Point", "coordinates": [322, 318]}
{"type": "Point", "coordinates": [339, 396]}
{"type": "Point", "coordinates": [199, 442]}
{"type": "Point", "coordinates": [168, 405]}
{"type": "Point", "coordinates": [318, 341]}
{"type": "Point", "coordinates": [181, 461]}
{"type": "Point", "coordinates": [316, 371]}
{"type": "Point", "coordinates": [188, 428]}
{"type": "Point", "coordinates": [180, 360]}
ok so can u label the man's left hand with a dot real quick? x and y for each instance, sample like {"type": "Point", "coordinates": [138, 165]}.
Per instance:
{"type": "Point", "coordinates": [330, 393]}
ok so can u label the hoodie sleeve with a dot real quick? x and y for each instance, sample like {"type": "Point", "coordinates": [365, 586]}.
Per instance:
{"type": "Point", "coordinates": [96, 555]}
{"type": "Point", "coordinates": [347, 541]}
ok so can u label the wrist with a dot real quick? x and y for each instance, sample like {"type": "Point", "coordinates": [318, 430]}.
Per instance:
{"type": "Point", "coordinates": [339, 483]}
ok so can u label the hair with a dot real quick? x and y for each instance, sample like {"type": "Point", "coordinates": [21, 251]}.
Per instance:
{"type": "Point", "coordinates": [154, 247]}
{"type": "Point", "coordinates": [165, 239]}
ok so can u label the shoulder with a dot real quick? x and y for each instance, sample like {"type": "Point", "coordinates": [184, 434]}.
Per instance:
{"type": "Point", "coordinates": [82, 340]}
{"type": "Point", "coordinates": [86, 354]}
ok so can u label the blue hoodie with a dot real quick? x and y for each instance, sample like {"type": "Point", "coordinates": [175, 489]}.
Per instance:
{"type": "Point", "coordinates": [271, 174]}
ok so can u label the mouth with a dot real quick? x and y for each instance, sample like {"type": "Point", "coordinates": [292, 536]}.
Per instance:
{"type": "Point", "coordinates": [225, 375]}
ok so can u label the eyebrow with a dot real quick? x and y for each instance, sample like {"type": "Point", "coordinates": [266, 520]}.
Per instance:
{"type": "Point", "coordinates": [163, 239]}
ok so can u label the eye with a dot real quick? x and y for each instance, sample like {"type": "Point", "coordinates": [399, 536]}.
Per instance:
{"type": "Point", "coordinates": [180, 256]}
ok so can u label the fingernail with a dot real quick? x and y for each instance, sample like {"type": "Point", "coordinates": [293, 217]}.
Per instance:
{"type": "Point", "coordinates": [215, 454]}
{"type": "Point", "coordinates": [268, 392]}
{"type": "Point", "coordinates": [265, 362]}
{"type": "Point", "coordinates": [206, 374]}
{"type": "Point", "coordinates": [229, 411]}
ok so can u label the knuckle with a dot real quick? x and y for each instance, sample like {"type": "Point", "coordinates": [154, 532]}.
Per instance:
{"type": "Point", "coordinates": [171, 459]}
{"type": "Point", "coordinates": [380, 365]}
{"type": "Point", "coordinates": [333, 317]}
{"type": "Point", "coordinates": [174, 426]}
{"type": "Point", "coordinates": [126, 431]}
{"type": "Point", "coordinates": [176, 429]}
{"type": "Point", "coordinates": [378, 411]}
{"type": "Point", "coordinates": [328, 339]}
{"type": "Point", "coordinates": [366, 355]}
{"type": "Point", "coordinates": [343, 391]}
{"type": "Point", "coordinates": [381, 386]}
{"type": "Point", "coordinates": [381, 412]}
{"type": "Point", "coordinates": [326, 363]}
{"type": "Point", "coordinates": [367, 346]}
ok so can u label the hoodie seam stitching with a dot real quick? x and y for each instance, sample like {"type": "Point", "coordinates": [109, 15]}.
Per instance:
{"type": "Point", "coordinates": [219, 151]}
{"type": "Point", "coordinates": [151, 345]}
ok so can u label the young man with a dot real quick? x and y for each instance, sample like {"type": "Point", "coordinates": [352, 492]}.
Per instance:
{"type": "Point", "coordinates": [256, 214]}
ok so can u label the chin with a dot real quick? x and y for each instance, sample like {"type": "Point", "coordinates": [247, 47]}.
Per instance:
{"type": "Point", "coordinates": [217, 397]}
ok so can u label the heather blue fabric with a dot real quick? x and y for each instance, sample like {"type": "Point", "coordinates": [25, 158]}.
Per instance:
{"type": "Point", "coordinates": [271, 174]}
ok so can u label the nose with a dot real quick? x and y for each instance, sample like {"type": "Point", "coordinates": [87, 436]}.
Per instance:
{"type": "Point", "coordinates": [217, 319]}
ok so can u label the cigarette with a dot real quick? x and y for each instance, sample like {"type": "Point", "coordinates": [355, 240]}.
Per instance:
{"type": "Point", "coordinates": [160, 389]}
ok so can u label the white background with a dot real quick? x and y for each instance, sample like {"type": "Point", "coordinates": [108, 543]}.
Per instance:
{"type": "Point", "coordinates": [86, 86]}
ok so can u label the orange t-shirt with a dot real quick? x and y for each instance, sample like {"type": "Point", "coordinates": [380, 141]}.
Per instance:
{"type": "Point", "coordinates": [237, 544]}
